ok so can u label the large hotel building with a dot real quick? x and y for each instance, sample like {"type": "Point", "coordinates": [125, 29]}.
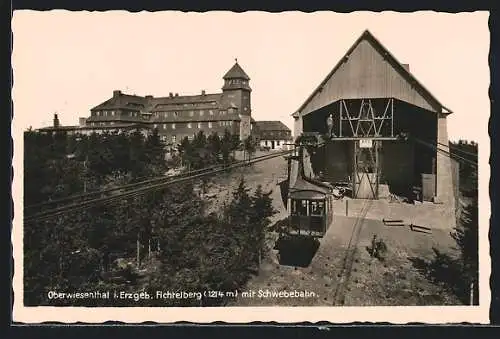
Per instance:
{"type": "Point", "coordinates": [175, 116]}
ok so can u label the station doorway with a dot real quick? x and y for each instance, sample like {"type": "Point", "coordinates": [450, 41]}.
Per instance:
{"type": "Point", "coordinates": [366, 169]}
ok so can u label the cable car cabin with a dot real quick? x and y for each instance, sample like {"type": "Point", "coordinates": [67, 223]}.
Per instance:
{"type": "Point", "coordinates": [310, 212]}
{"type": "Point", "coordinates": [309, 202]}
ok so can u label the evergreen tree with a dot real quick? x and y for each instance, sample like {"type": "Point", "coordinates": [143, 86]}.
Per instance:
{"type": "Point", "coordinates": [201, 153]}
{"type": "Point", "coordinates": [214, 145]}
{"type": "Point", "coordinates": [460, 274]}
{"type": "Point", "coordinates": [180, 207]}
{"type": "Point", "coordinates": [239, 220]}
{"type": "Point", "coordinates": [467, 238]}
{"type": "Point", "coordinates": [262, 211]}
{"type": "Point", "coordinates": [468, 173]}
{"type": "Point", "coordinates": [100, 159]}
{"type": "Point", "coordinates": [37, 167]}
{"type": "Point", "coordinates": [71, 251]}
{"type": "Point", "coordinates": [186, 152]}
{"type": "Point", "coordinates": [49, 253]}
{"type": "Point", "coordinates": [200, 140]}
{"type": "Point", "coordinates": [240, 206]}
{"type": "Point", "coordinates": [226, 147]}
{"type": "Point", "coordinates": [155, 153]}
{"type": "Point", "coordinates": [138, 156]}
{"type": "Point", "coordinates": [120, 147]}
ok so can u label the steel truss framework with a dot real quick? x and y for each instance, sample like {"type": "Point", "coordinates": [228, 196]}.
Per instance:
{"type": "Point", "coordinates": [366, 123]}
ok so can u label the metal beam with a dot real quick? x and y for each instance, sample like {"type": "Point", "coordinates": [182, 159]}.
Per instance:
{"type": "Point", "coordinates": [340, 117]}
{"type": "Point", "coordinates": [377, 168]}
{"type": "Point", "coordinates": [366, 122]}
{"type": "Point", "coordinates": [392, 117]}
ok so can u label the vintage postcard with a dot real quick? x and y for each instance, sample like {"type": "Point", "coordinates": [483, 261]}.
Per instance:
{"type": "Point", "coordinates": [238, 167]}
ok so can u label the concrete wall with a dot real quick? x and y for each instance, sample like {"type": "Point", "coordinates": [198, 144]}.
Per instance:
{"type": "Point", "coordinates": [297, 127]}
{"type": "Point", "coordinates": [444, 177]}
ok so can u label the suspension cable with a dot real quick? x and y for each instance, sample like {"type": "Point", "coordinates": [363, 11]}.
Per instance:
{"type": "Point", "coordinates": [143, 190]}
{"type": "Point", "coordinates": [130, 186]}
{"type": "Point", "coordinates": [446, 153]}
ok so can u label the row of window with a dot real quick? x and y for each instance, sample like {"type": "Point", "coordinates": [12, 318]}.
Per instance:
{"type": "Point", "coordinates": [114, 113]}
{"type": "Point", "coordinates": [237, 81]}
{"type": "Point", "coordinates": [165, 139]}
{"type": "Point", "coordinates": [190, 125]}
{"type": "Point", "coordinates": [173, 138]}
{"type": "Point", "coordinates": [277, 143]}
{"type": "Point", "coordinates": [191, 104]}
{"type": "Point", "coordinates": [277, 133]}
{"type": "Point", "coordinates": [308, 207]}
{"type": "Point", "coordinates": [101, 123]}
{"type": "Point", "coordinates": [161, 114]}
{"type": "Point", "coordinates": [172, 126]}
{"type": "Point", "coordinates": [191, 113]}
{"type": "Point", "coordinates": [105, 113]}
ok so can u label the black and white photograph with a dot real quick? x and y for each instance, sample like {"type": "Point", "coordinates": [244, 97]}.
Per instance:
{"type": "Point", "coordinates": [267, 166]}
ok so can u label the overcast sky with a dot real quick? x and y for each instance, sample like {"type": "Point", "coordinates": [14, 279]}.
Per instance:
{"type": "Point", "coordinates": [68, 62]}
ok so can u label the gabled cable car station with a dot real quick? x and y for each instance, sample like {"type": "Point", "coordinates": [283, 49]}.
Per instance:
{"type": "Point", "coordinates": [372, 130]}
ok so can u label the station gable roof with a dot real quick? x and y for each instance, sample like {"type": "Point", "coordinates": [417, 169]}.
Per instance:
{"type": "Point", "coordinates": [369, 70]}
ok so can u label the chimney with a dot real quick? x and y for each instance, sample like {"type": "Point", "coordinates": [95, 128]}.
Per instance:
{"type": "Point", "coordinates": [82, 121]}
{"type": "Point", "coordinates": [171, 94]}
{"type": "Point", "coordinates": [117, 93]}
{"type": "Point", "coordinates": [203, 92]}
{"type": "Point", "coordinates": [406, 66]}
{"type": "Point", "coordinates": [56, 121]}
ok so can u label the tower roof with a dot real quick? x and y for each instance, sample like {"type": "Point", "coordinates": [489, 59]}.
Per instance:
{"type": "Point", "coordinates": [236, 72]}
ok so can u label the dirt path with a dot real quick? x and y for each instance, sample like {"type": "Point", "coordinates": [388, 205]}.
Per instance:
{"type": "Point", "coordinates": [345, 274]}
{"type": "Point", "coordinates": [341, 271]}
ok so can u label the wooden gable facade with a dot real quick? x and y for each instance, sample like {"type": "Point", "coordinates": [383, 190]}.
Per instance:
{"type": "Point", "coordinates": [369, 70]}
